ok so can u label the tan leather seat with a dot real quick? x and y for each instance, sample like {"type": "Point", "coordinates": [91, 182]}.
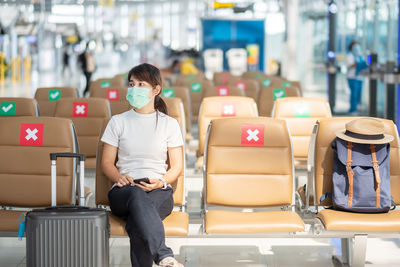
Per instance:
{"type": "Point", "coordinates": [47, 98]}
{"type": "Point", "coordinates": [183, 80]}
{"type": "Point", "coordinates": [247, 160]}
{"type": "Point", "coordinates": [323, 165]}
{"type": "Point", "coordinates": [18, 106]}
{"type": "Point", "coordinates": [116, 96]}
{"type": "Point", "coordinates": [88, 115]}
{"type": "Point", "coordinates": [250, 87]}
{"type": "Point", "coordinates": [301, 114]}
{"type": "Point", "coordinates": [121, 79]}
{"type": "Point", "coordinates": [25, 165]}
{"type": "Point", "coordinates": [107, 82]}
{"type": "Point", "coordinates": [219, 107]}
{"type": "Point", "coordinates": [223, 90]}
{"type": "Point", "coordinates": [176, 224]}
{"type": "Point", "coordinates": [197, 87]}
{"type": "Point", "coordinates": [253, 74]}
{"type": "Point", "coordinates": [225, 78]}
{"type": "Point", "coordinates": [176, 111]}
{"type": "Point", "coordinates": [269, 94]}
{"type": "Point", "coordinates": [181, 92]}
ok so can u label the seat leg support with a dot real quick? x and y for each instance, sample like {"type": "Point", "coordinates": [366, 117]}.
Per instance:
{"type": "Point", "coordinates": [359, 250]}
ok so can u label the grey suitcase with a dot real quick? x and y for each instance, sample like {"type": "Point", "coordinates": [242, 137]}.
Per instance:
{"type": "Point", "coordinates": [67, 236]}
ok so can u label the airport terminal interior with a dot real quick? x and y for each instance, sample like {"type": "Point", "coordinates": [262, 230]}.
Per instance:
{"type": "Point", "coordinates": [259, 89]}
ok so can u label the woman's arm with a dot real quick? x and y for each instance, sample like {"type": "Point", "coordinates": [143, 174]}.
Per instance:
{"type": "Point", "coordinates": [109, 169]}
{"type": "Point", "coordinates": [176, 165]}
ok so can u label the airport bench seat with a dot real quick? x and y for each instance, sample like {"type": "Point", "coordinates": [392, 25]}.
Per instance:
{"type": "Point", "coordinates": [235, 222]}
{"type": "Point", "coordinates": [335, 220]}
{"type": "Point", "coordinates": [176, 224]}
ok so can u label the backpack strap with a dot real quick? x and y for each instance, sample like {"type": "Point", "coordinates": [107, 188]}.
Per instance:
{"type": "Point", "coordinates": [377, 175]}
{"type": "Point", "coordinates": [350, 173]}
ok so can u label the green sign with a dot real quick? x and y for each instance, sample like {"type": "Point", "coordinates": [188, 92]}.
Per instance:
{"type": "Point", "coordinates": [286, 84]}
{"type": "Point", "coordinates": [125, 75]}
{"type": "Point", "coordinates": [258, 76]}
{"type": "Point", "coordinates": [54, 94]}
{"type": "Point", "coordinates": [168, 92]}
{"type": "Point", "coordinates": [278, 93]}
{"type": "Point", "coordinates": [105, 84]}
{"type": "Point", "coordinates": [196, 87]}
{"type": "Point", "coordinates": [266, 82]}
{"type": "Point", "coordinates": [301, 110]}
{"type": "Point", "coordinates": [7, 109]}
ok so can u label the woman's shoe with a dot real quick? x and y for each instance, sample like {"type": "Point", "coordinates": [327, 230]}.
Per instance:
{"type": "Point", "coordinates": [170, 262]}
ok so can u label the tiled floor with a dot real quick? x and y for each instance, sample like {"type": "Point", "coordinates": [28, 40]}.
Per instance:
{"type": "Point", "coordinates": [209, 252]}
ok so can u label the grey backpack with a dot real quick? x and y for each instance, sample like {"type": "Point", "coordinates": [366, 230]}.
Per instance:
{"type": "Point", "coordinates": [361, 177]}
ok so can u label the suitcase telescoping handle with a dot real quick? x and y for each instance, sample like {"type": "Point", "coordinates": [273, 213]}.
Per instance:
{"type": "Point", "coordinates": [53, 158]}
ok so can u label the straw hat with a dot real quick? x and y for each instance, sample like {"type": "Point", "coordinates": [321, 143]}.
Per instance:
{"type": "Point", "coordinates": [365, 131]}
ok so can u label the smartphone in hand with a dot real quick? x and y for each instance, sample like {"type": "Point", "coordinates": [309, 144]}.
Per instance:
{"type": "Point", "coordinates": [145, 179]}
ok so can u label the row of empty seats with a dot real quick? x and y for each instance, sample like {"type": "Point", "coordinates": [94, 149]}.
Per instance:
{"type": "Point", "coordinates": [248, 179]}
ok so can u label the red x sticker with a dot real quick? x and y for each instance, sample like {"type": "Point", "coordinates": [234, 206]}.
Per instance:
{"type": "Point", "coordinates": [112, 94]}
{"type": "Point", "coordinates": [80, 109]}
{"type": "Point", "coordinates": [241, 85]}
{"type": "Point", "coordinates": [223, 91]}
{"type": "Point", "coordinates": [228, 110]}
{"type": "Point", "coordinates": [252, 135]}
{"type": "Point", "coordinates": [31, 134]}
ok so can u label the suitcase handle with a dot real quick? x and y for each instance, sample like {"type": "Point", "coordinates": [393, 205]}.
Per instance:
{"type": "Point", "coordinates": [54, 156]}
{"type": "Point", "coordinates": [67, 208]}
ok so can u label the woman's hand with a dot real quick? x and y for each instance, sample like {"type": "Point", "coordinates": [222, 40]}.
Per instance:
{"type": "Point", "coordinates": [154, 184]}
{"type": "Point", "coordinates": [124, 180]}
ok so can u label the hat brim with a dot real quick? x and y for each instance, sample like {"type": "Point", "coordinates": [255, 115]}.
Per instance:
{"type": "Point", "coordinates": [386, 139]}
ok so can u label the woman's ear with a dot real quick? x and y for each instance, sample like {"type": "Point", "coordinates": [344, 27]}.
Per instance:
{"type": "Point", "coordinates": [157, 90]}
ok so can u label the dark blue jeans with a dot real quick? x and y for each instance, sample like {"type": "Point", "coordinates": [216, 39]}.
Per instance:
{"type": "Point", "coordinates": [355, 93]}
{"type": "Point", "coordinates": [143, 212]}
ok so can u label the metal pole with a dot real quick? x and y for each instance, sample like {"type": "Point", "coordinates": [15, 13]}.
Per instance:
{"type": "Point", "coordinates": [398, 65]}
{"type": "Point", "coordinates": [332, 9]}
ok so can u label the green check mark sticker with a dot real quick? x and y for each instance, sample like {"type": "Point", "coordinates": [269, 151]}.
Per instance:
{"type": "Point", "coordinates": [196, 87]}
{"type": "Point", "coordinates": [286, 84]}
{"type": "Point", "coordinates": [7, 109]}
{"type": "Point", "coordinates": [167, 92]}
{"type": "Point", "coordinates": [190, 77]}
{"type": "Point", "coordinates": [301, 110]}
{"type": "Point", "coordinates": [54, 95]}
{"type": "Point", "coordinates": [278, 93]}
{"type": "Point", "coordinates": [258, 76]}
{"type": "Point", "coordinates": [266, 82]}
{"type": "Point", "coordinates": [105, 84]}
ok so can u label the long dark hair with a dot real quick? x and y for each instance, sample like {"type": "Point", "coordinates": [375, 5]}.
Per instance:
{"type": "Point", "coordinates": [151, 74]}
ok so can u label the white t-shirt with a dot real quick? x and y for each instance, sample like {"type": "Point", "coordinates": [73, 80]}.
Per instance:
{"type": "Point", "coordinates": [142, 145]}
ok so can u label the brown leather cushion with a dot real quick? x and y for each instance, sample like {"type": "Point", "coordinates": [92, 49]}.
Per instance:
{"type": "Point", "coordinates": [334, 220]}
{"type": "Point", "coordinates": [232, 222]}
{"type": "Point", "coordinates": [9, 220]}
{"type": "Point", "coordinates": [301, 127]}
{"type": "Point", "coordinates": [87, 128]}
{"type": "Point", "coordinates": [25, 170]}
{"type": "Point", "coordinates": [176, 224]}
{"type": "Point", "coordinates": [240, 175]}
{"type": "Point", "coordinates": [212, 107]}
{"type": "Point", "coordinates": [23, 106]}
{"type": "Point", "coordinates": [106, 81]}
{"type": "Point", "coordinates": [266, 98]}
{"type": "Point", "coordinates": [184, 79]}
{"type": "Point", "coordinates": [324, 156]}
{"type": "Point", "coordinates": [224, 78]}
{"type": "Point", "coordinates": [47, 107]}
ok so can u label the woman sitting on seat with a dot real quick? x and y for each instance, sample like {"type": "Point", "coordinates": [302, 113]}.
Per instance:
{"type": "Point", "coordinates": [142, 137]}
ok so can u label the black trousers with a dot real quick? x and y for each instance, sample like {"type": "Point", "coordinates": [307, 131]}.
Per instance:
{"type": "Point", "coordinates": [143, 212]}
{"type": "Point", "coordinates": [88, 75]}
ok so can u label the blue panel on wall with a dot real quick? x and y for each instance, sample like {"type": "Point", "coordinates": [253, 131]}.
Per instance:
{"type": "Point", "coordinates": [227, 34]}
